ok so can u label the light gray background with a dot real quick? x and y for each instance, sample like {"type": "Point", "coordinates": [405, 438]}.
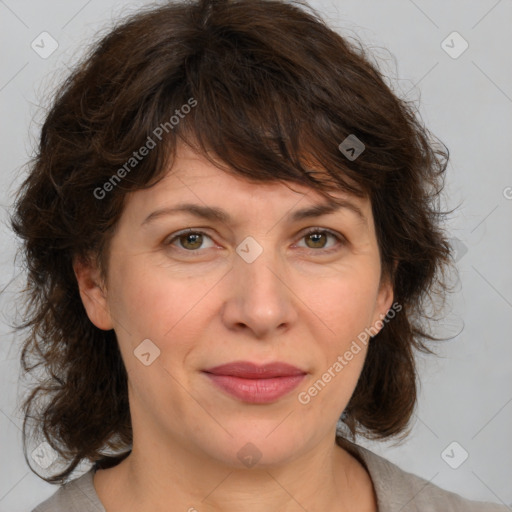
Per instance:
{"type": "Point", "coordinates": [466, 394]}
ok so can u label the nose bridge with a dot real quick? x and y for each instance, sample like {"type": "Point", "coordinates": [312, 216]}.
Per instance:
{"type": "Point", "coordinates": [262, 299]}
{"type": "Point", "coordinates": [260, 277]}
{"type": "Point", "coordinates": [257, 265]}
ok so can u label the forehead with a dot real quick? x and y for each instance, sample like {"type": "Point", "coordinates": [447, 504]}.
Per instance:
{"type": "Point", "coordinates": [195, 185]}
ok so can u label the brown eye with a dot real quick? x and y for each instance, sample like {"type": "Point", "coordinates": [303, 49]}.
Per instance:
{"type": "Point", "coordinates": [189, 240]}
{"type": "Point", "coordinates": [317, 240]}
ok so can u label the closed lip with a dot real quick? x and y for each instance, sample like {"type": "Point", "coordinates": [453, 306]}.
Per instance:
{"type": "Point", "coordinates": [250, 370]}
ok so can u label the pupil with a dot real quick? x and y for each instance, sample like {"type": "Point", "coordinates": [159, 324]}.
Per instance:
{"type": "Point", "coordinates": [191, 238]}
{"type": "Point", "coordinates": [315, 237]}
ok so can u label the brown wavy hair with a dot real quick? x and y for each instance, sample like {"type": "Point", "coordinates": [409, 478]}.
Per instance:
{"type": "Point", "coordinates": [276, 92]}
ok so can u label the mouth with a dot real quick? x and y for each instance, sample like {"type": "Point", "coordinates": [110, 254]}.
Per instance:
{"type": "Point", "coordinates": [253, 383]}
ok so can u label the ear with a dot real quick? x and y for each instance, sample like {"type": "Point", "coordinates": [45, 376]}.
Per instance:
{"type": "Point", "coordinates": [92, 292]}
{"type": "Point", "coordinates": [385, 297]}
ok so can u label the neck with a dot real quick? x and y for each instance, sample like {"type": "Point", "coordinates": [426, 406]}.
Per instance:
{"type": "Point", "coordinates": [327, 478]}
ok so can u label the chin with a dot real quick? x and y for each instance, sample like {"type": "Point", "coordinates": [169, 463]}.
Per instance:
{"type": "Point", "coordinates": [254, 447]}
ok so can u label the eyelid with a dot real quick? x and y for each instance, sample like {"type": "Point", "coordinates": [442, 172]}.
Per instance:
{"type": "Point", "coordinates": [174, 236]}
{"type": "Point", "coordinates": [341, 239]}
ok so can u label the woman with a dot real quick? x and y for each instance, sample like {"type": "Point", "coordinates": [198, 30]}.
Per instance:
{"type": "Point", "coordinates": [230, 231]}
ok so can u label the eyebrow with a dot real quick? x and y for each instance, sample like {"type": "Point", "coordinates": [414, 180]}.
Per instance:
{"type": "Point", "coordinates": [213, 213]}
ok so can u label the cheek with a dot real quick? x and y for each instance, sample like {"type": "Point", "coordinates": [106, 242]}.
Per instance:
{"type": "Point", "coordinates": [166, 312]}
{"type": "Point", "coordinates": [345, 304]}
{"type": "Point", "coordinates": [150, 302]}
{"type": "Point", "coordinates": [328, 392]}
{"type": "Point", "coordinates": [169, 311]}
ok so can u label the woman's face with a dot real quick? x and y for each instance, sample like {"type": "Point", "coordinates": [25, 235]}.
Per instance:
{"type": "Point", "coordinates": [252, 287]}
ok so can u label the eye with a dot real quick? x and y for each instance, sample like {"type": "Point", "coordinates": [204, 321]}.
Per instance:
{"type": "Point", "coordinates": [189, 240]}
{"type": "Point", "coordinates": [316, 239]}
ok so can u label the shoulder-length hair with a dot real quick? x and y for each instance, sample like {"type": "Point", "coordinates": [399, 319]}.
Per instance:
{"type": "Point", "coordinates": [269, 90]}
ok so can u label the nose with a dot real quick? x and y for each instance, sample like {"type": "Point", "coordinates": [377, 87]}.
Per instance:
{"type": "Point", "coordinates": [260, 298]}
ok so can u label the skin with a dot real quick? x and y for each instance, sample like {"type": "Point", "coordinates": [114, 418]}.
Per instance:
{"type": "Point", "coordinates": [203, 305]}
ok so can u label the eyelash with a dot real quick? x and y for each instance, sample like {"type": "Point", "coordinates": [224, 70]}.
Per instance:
{"type": "Point", "coordinates": [190, 231]}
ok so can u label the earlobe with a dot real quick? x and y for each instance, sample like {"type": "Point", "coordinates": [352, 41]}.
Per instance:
{"type": "Point", "coordinates": [93, 293]}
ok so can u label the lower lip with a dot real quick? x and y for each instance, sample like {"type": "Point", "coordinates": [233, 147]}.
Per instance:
{"type": "Point", "coordinates": [256, 391]}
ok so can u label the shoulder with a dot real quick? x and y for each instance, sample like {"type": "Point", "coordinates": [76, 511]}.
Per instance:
{"type": "Point", "coordinates": [77, 495]}
{"type": "Point", "coordinates": [397, 489]}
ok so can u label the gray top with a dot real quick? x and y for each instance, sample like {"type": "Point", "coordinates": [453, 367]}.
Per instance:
{"type": "Point", "coordinates": [396, 490]}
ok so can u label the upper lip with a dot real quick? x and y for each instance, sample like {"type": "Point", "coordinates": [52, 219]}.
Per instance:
{"type": "Point", "coordinates": [249, 370]}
